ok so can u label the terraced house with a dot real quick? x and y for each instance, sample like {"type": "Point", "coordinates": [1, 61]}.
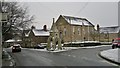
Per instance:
{"type": "Point", "coordinates": [74, 29]}
{"type": "Point", "coordinates": [109, 33]}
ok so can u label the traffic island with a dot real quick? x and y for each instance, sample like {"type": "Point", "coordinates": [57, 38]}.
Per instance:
{"type": "Point", "coordinates": [111, 55]}
{"type": "Point", "coordinates": [82, 44]}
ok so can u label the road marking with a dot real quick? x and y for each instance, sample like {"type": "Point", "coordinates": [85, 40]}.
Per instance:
{"type": "Point", "coordinates": [74, 56]}
{"type": "Point", "coordinates": [69, 55]}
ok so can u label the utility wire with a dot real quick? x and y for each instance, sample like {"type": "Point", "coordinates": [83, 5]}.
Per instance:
{"type": "Point", "coordinates": [82, 8]}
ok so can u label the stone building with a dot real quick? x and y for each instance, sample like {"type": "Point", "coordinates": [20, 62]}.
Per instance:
{"type": "Point", "coordinates": [34, 36]}
{"type": "Point", "coordinates": [74, 29]}
{"type": "Point", "coordinates": [109, 33]}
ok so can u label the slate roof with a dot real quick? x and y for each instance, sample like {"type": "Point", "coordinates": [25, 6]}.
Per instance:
{"type": "Point", "coordinates": [40, 32]}
{"type": "Point", "coordinates": [77, 21]}
{"type": "Point", "coordinates": [113, 29]}
{"type": "Point", "coordinates": [37, 32]}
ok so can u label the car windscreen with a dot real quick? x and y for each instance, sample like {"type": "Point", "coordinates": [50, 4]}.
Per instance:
{"type": "Point", "coordinates": [16, 46]}
{"type": "Point", "coordinates": [117, 41]}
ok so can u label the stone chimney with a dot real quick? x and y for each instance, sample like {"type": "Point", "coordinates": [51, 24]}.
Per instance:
{"type": "Point", "coordinates": [53, 20]}
{"type": "Point", "coordinates": [32, 27]}
{"type": "Point", "coordinates": [45, 27]}
{"type": "Point", "coordinates": [98, 27]}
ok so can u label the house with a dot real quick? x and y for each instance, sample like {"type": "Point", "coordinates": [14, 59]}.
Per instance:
{"type": "Point", "coordinates": [109, 33]}
{"type": "Point", "coordinates": [73, 29]}
{"type": "Point", "coordinates": [34, 36]}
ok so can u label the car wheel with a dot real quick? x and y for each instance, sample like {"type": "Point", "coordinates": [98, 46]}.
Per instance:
{"type": "Point", "coordinates": [113, 47]}
{"type": "Point", "coordinates": [13, 51]}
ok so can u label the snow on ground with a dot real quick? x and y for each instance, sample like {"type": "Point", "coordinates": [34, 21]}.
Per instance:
{"type": "Point", "coordinates": [64, 48]}
{"type": "Point", "coordinates": [68, 48]}
{"type": "Point", "coordinates": [111, 54]}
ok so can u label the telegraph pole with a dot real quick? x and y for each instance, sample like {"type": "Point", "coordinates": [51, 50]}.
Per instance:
{"type": "Point", "coordinates": [0, 34]}
{"type": "Point", "coordinates": [0, 40]}
{"type": "Point", "coordinates": [3, 18]}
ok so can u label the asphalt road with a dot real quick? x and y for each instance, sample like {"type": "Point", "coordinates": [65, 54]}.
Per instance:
{"type": "Point", "coordinates": [80, 57]}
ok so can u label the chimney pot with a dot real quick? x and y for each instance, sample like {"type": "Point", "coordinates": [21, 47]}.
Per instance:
{"type": "Point", "coordinates": [45, 27]}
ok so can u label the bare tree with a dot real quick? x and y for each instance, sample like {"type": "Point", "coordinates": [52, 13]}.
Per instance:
{"type": "Point", "coordinates": [94, 35]}
{"type": "Point", "coordinates": [17, 17]}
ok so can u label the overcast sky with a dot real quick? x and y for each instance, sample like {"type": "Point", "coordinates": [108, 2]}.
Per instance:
{"type": "Point", "coordinates": [103, 13]}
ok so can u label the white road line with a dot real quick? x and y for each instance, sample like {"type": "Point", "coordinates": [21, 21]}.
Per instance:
{"type": "Point", "coordinates": [69, 55]}
{"type": "Point", "coordinates": [74, 56]}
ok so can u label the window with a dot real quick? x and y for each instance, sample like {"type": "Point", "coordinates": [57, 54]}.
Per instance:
{"type": "Point", "coordinates": [83, 30]}
{"type": "Point", "coordinates": [78, 31]}
{"type": "Point", "coordinates": [73, 29]}
{"type": "Point", "coordinates": [64, 31]}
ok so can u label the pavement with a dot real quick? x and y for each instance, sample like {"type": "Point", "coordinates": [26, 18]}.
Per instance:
{"type": "Point", "coordinates": [112, 55]}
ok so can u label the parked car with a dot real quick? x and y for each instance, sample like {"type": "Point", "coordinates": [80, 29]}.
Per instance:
{"type": "Point", "coordinates": [16, 48]}
{"type": "Point", "coordinates": [39, 46]}
{"type": "Point", "coordinates": [116, 43]}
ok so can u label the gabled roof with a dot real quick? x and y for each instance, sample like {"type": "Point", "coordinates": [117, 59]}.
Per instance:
{"type": "Point", "coordinates": [40, 32]}
{"type": "Point", "coordinates": [26, 32]}
{"type": "Point", "coordinates": [113, 29]}
{"type": "Point", "coordinates": [37, 32]}
{"type": "Point", "coordinates": [77, 21]}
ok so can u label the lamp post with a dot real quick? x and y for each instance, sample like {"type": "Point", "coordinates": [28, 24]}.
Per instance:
{"type": "Point", "coordinates": [3, 18]}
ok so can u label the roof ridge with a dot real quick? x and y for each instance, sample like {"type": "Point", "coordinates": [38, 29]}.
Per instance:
{"type": "Point", "coordinates": [110, 26]}
{"type": "Point", "coordinates": [72, 17]}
